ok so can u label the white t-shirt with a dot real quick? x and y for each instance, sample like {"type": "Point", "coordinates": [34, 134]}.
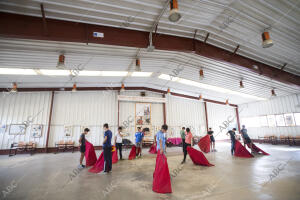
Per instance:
{"type": "Point", "coordinates": [119, 138]}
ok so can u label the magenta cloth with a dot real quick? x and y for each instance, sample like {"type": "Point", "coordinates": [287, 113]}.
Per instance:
{"type": "Point", "coordinates": [90, 154]}
{"type": "Point", "coordinates": [241, 151]}
{"type": "Point", "coordinates": [198, 157]}
{"type": "Point", "coordinates": [161, 175]}
{"type": "Point", "coordinates": [99, 166]}
{"type": "Point", "coordinates": [255, 148]}
{"type": "Point", "coordinates": [114, 156]}
{"type": "Point", "coordinates": [132, 153]}
{"type": "Point", "coordinates": [153, 149]}
{"type": "Point", "coordinates": [175, 141]}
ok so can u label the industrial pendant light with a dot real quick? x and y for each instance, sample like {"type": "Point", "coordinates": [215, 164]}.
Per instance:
{"type": "Point", "coordinates": [138, 65]}
{"type": "Point", "coordinates": [169, 91]}
{"type": "Point", "coordinates": [227, 102]}
{"type": "Point", "coordinates": [174, 14]}
{"type": "Point", "coordinates": [273, 93]}
{"type": "Point", "coordinates": [122, 87]}
{"type": "Point", "coordinates": [201, 74]}
{"type": "Point", "coordinates": [74, 89]}
{"type": "Point", "coordinates": [61, 62]}
{"type": "Point", "coordinates": [266, 40]}
{"type": "Point", "coordinates": [200, 98]}
{"type": "Point", "coordinates": [14, 88]}
{"type": "Point", "coordinates": [241, 84]}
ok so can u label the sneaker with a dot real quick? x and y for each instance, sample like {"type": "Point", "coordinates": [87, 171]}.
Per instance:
{"type": "Point", "coordinates": [183, 162]}
{"type": "Point", "coordinates": [83, 166]}
{"type": "Point", "coordinates": [80, 167]}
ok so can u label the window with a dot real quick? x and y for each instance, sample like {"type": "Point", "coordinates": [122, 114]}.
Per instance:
{"type": "Point", "coordinates": [263, 121]}
{"type": "Point", "coordinates": [289, 119]}
{"type": "Point", "coordinates": [297, 118]}
{"type": "Point", "coordinates": [280, 120]}
{"type": "Point", "coordinates": [271, 120]}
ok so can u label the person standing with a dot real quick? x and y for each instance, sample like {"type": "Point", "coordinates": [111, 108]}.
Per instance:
{"type": "Point", "coordinates": [246, 137]}
{"type": "Point", "coordinates": [212, 139]}
{"type": "Point", "coordinates": [107, 149]}
{"type": "Point", "coordinates": [138, 141]}
{"type": "Point", "coordinates": [118, 141]}
{"type": "Point", "coordinates": [232, 138]}
{"type": "Point", "coordinates": [161, 139]}
{"type": "Point", "coordinates": [182, 135]}
{"type": "Point", "coordinates": [82, 147]}
{"type": "Point", "coordinates": [188, 143]}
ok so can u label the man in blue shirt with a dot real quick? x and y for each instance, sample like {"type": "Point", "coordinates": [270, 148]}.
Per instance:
{"type": "Point", "coordinates": [161, 139]}
{"type": "Point", "coordinates": [138, 141]}
{"type": "Point", "coordinates": [107, 149]}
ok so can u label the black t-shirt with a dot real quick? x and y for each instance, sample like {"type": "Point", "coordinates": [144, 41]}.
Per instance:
{"type": "Point", "coordinates": [210, 132]}
{"type": "Point", "coordinates": [82, 139]}
{"type": "Point", "coordinates": [232, 135]}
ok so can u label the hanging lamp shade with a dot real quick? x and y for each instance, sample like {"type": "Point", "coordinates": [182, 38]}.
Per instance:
{"type": "Point", "coordinates": [122, 87]}
{"type": "Point", "coordinates": [74, 89]}
{"type": "Point", "coordinates": [61, 62]}
{"type": "Point", "coordinates": [273, 93]}
{"type": "Point", "coordinates": [174, 14]}
{"type": "Point", "coordinates": [241, 84]}
{"type": "Point", "coordinates": [138, 65]}
{"type": "Point", "coordinates": [14, 88]}
{"type": "Point", "coordinates": [201, 74]}
{"type": "Point", "coordinates": [266, 40]}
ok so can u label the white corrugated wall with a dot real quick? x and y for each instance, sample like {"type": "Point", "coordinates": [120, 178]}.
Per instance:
{"type": "Point", "coordinates": [185, 112]}
{"type": "Point", "coordinates": [83, 108]}
{"type": "Point", "coordinates": [15, 108]}
{"type": "Point", "coordinates": [277, 105]}
{"type": "Point", "coordinates": [221, 118]}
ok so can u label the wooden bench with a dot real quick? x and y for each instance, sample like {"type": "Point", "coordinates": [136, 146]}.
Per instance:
{"type": "Point", "coordinates": [65, 146]}
{"type": "Point", "coordinates": [22, 147]}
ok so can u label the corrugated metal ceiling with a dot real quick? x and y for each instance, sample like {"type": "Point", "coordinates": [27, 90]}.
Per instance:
{"type": "Point", "coordinates": [230, 23]}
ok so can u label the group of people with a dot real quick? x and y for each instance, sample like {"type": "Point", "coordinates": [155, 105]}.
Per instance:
{"type": "Point", "coordinates": [245, 136]}
{"type": "Point", "coordinates": [159, 141]}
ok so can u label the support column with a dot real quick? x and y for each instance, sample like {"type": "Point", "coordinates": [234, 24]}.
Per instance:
{"type": "Point", "coordinates": [206, 118]}
{"type": "Point", "coordinates": [49, 121]}
{"type": "Point", "coordinates": [164, 111]}
{"type": "Point", "coordinates": [238, 119]}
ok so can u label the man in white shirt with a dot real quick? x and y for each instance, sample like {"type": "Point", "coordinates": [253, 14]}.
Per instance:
{"type": "Point", "coordinates": [118, 141]}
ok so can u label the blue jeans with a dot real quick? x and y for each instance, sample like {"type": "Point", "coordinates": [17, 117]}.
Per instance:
{"type": "Point", "coordinates": [232, 146]}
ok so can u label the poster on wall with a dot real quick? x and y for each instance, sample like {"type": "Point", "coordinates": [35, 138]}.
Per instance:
{"type": "Point", "coordinates": [36, 130]}
{"type": "Point", "coordinates": [143, 117]}
{"type": "Point", "coordinates": [3, 128]}
{"type": "Point", "coordinates": [68, 131]}
{"type": "Point", "coordinates": [289, 119]}
{"type": "Point", "coordinates": [17, 129]}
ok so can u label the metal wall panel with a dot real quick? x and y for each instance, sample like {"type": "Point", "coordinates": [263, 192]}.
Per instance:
{"type": "Point", "coordinates": [221, 118]}
{"type": "Point", "coordinates": [83, 109]}
{"type": "Point", "coordinates": [17, 108]}
{"type": "Point", "coordinates": [277, 105]}
{"type": "Point", "coordinates": [185, 112]}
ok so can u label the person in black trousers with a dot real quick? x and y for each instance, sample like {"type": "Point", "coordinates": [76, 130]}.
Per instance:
{"type": "Point", "coordinates": [232, 137]}
{"type": "Point", "coordinates": [107, 149]}
{"type": "Point", "coordinates": [182, 135]}
{"type": "Point", "coordinates": [188, 143]}
{"type": "Point", "coordinates": [118, 141]}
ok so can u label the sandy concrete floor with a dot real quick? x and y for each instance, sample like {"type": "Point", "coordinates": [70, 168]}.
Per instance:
{"type": "Point", "coordinates": [50, 176]}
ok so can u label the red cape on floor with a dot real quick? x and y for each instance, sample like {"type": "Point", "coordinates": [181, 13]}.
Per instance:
{"type": "Point", "coordinates": [204, 144]}
{"type": "Point", "coordinates": [255, 148]}
{"type": "Point", "coordinates": [241, 151]}
{"type": "Point", "coordinates": [161, 175]}
{"type": "Point", "coordinates": [99, 166]}
{"type": "Point", "coordinates": [198, 157]}
{"type": "Point", "coordinates": [114, 156]}
{"type": "Point", "coordinates": [132, 153]}
{"type": "Point", "coordinates": [153, 149]}
{"type": "Point", "coordinates": [90, 155]}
